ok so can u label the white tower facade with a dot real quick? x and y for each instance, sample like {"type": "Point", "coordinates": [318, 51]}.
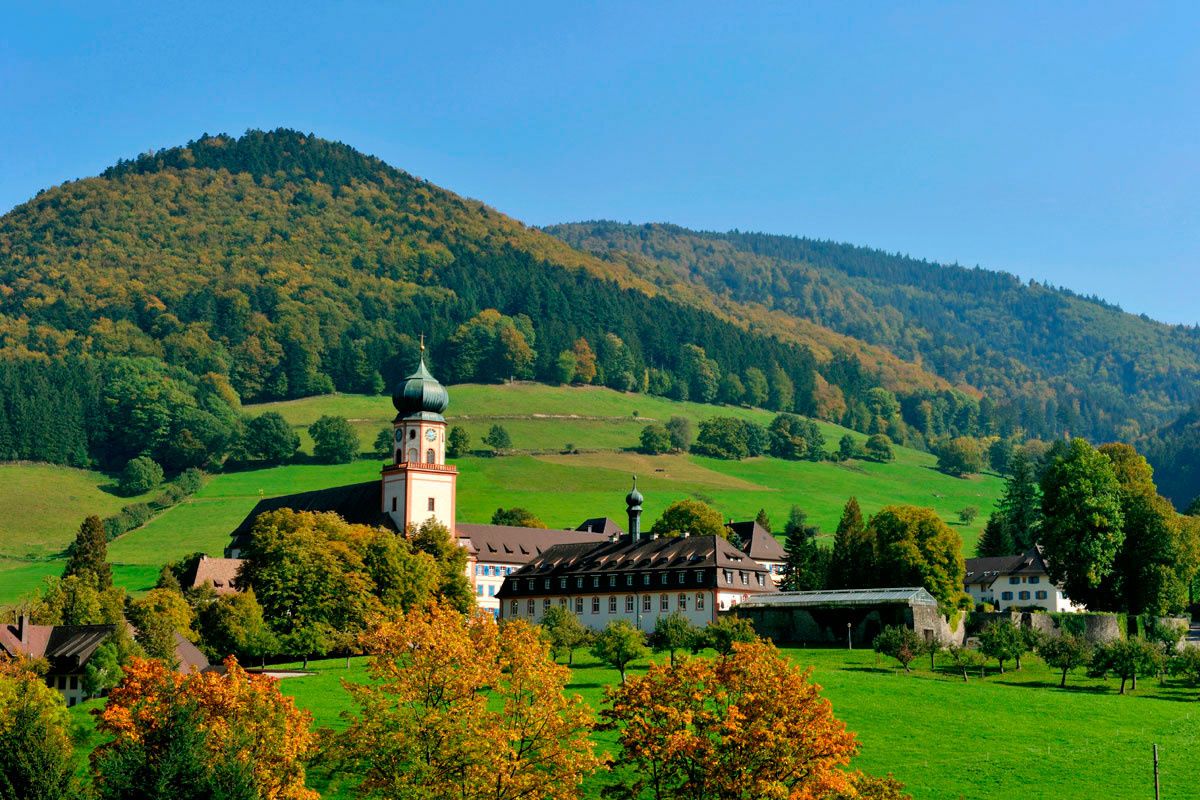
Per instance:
{"type": "Point", "coordinates": [418, 484]}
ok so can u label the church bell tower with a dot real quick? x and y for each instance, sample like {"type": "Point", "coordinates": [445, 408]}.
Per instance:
{"type": "Point", "coordinates": [418, 484]}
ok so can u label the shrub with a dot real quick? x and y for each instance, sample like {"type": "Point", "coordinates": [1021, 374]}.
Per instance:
{"type": "Point", "coordinates": [140, 475]}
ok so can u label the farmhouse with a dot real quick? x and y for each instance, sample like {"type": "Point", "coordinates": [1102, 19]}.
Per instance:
{"type": "Point", "coordinates": [636, 577]}
{"type": "Point", "coordinates": [417, 484]}
{"type": "Point", "coordinates": [68, 648]}
{"type": "Point", "coordinates": [1015, 582]}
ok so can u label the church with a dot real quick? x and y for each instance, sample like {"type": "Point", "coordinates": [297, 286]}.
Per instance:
{"type": "Point", "coordinates": [417, 484]}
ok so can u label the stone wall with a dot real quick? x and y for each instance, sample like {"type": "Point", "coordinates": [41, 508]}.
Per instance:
{"type": "Point", "coordinates": [831, 625]}
{"type": "Point", "coordinates": [1096, 628]}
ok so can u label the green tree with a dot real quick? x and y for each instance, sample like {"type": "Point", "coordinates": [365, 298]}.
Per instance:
{"type": "Point", "coordinates": [959, 456]}
{"type": "Point", "coordinates": [498, 439]}
{"type": "Point", "coordinates": [158, 616]}
{"type": "Point", "coordinates": [848, 448]}
{"type": "Point", "coordinates": [915, 548]}
{"type": "Point", "coordinates": [565, 632]}
{"type": "Point", "coordinates": [700, 373]}
{"type": "Point", "coordinates": [270, 439]}
{"type": "Point", "coordinates": [1002, 640]}
{"type": "Point", "coordinates": [1065, 653]}
{"type": "Point", "coordinates": [757, 388]}
{"type": "Point", "coordinates": [672, 633]}
{"type": "Point", "coordinates": [35, 743]}
{"type": "Point", "coordinates": [89, 554]}
{"type": "Point", "coordinates": [730, 438]}
{"type": "Point", "coordinates": [1128, 659]}
{"type": "Point", "coordinates": [619, 645]}
{"type": "Point", "coordinates": [655, 440]}
{"type": "Point", "coordinates": [727, 632]}
{"type": "Point", "coordinates": [1019, 511]}
{"type": "Point", "coordinates": [804, 569]}
{"type": "Point", "coordinates": [732, 392]}
{"type": "Point", "coordinates": [382, 446]}
{"type": "Point", "coordinates": [518, 517]}
{"type": "Point", "coordinates": [616, 364]}
{"type": "Point", "coordinates": [565, 366]}
{"type": "Point", "coordinates": [964, 658]}
{"type": "Point", "coordinates": [690, 516]}
{"type": "Point", "coordinates": [139, 476]}
{"type": "Point", "coordinates": [1083, 527]}
{"type": "Point", "coordinates": [782, 396]}
{"type": "Point", "coordinates": [794, 437]}
{"type": "Point", "coordinates": [458, 442]}
{"type": "Point", "coordinates": [852, 562]}
{"type": "Point", "coordinates": [763, 520]}
{"type": "Point", "coordinates": [1000, 455]}
{"type": "Point", "coordinates": [967, 514]}
{"type": "Point", "coordinates": [454, 589]}
{"type": "Point", "coordinates": [995, 540]}
{"type": "Point", "coordinates": [680, 429]}
{"type": "Point", "coordinates": [879, 448]}
{"type": "Point", "coordinates": [899, 642]}
{"type": "Point", "coordinates": [334, 440]}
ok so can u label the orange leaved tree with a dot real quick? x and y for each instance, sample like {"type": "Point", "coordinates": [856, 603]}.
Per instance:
{"type": "Point", "coordinates": [463, 709]}
{"type": "Point", "coordinates": [201, 735]}
{"type": "Point", "coordinates": [751, 725]}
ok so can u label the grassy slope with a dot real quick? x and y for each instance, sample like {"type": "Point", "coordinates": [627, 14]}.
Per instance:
{"type": "Point", "coordinates": [1015, 735]}
{"type": "Point", "coordinates": [562, 489]}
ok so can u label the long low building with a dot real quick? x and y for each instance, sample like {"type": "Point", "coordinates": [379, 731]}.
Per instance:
{"type": "Point", "coordinates": [638, 578]}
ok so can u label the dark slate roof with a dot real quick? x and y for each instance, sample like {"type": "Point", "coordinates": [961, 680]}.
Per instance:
{"type": "Point", "coordinates": [756, 541]}
{"type": "Point", "coordinates": [508, 544]}
{"type": "Point", "coordinates": [986, 570]}
{"type": "Point", "coordinates": [357, 503]}
{"type": "Point", "coordinates": [606, 525]}
{"type": "Point", "coordinates": [624, 556]}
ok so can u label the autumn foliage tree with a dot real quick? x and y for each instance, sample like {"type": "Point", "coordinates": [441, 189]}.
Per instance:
{"type": "Point", "coordinates": [35, 742]}
{"type": "Point", "coordinates": [460, 708]}
{"type": "Point", "coordinates": [748, 726]}
{"type": "Point", "coordinates": [201, 735]}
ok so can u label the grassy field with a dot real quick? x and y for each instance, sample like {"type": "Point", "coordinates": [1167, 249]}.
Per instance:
{"type": "Point", "coordinates": [562, 489]}
{"type": "Point", "coordinates": [1015, 735]}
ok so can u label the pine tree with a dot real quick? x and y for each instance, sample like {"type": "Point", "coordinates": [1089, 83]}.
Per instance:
{"type": "Point", "coordinates": [762, 519]}
{"type": "Point", "coordinates": [996, 539]}
{"type": "Point", "coordinates": [89, 553]}
{"type": "Point", "coordinates": [803, 567]}
{"type": "Point", "coordinates": [852, 564]}
{"type": "Point", "coordinates": [1020, 506]}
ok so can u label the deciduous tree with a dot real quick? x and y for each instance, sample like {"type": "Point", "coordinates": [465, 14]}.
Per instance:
{"type": "Point", "coordinates": [901, 643]}
{"type": "Point", "coordinates": [35, 741]}
{"type": "Point", "coordinates": [690, 516]}
{"type": "Point", "coordinates": [619, 645]}
{"type": "Point", "coordinates": [334, 440]}
{"type": "Point", "coordinates": [565, 632]}
{"type": "Point", "coordinates": [915, 548]}
{"type": "Point", "coordinates": [1065, 653]}
{"type": "Point", "coordinates": [517, 516]}
{"type": "Point", "coordinates": [672, 633]}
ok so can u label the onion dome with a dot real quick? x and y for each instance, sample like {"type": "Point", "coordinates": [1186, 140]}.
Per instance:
{"type": "Point", "coordinates": [634, 498]}
{"type": "Point", "coordinates": [420, 393]}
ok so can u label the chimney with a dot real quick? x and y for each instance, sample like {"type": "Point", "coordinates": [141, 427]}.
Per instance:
{"type": "Point", "coordinates": [685, 534]}
{"type": "Point", "coordinates": [22, 628]}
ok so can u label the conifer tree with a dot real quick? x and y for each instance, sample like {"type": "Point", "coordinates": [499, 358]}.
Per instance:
{"type": "Point", "coordinates": [804, 568]}
{"type": "Point", "coordinates": [1020, 505]}
{"type": "Point", "coordinates": [762, 519]}
{"type": "Point", "coordinates": [852, 564]}
{"type": "Point", "coordinates": [996, 539]}
{"type": "Point", "coordinates": [89, 553]}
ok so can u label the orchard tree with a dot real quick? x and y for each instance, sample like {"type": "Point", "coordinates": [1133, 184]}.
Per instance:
{"type": "Point", "coordinates": [726, 633]}
{"type": "Point", "coordinates": [565, 632]}
{"type": "Point", "coordinates": [672, 633]}
{"type": "Point", "coordinates": [899, 642]}
{"type": "Point", "coordinates": [1002, 640]}
{"type": "Point", "coordinates": [458, 707]}
{"type": "Point", "coordinates": [36, 752]}
{"type": "Point", "coordinates": [748, 726]}
{"type": "Point", "coordinates": [690, 516]}
{"type": "Point", "coordinates": [201, 735]}
{"type": "Point", "coordinates": [619, 645]}
{"type": "Point", "coordinates": [965, 658]}
{"type": "Point", "coordinates": [1127, 659]}
{"type": "Point", "coordinates": [1065, 653]}
{"type": "Point", "coordinates": [334, 440]}
{"type": "Point", "coordinates": [1083, 526]}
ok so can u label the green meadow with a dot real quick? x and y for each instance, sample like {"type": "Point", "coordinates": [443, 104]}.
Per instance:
{"type": "Point", "coordinates": [1011, 735]}
{"type": "Point", "coordinates": [563, 488]}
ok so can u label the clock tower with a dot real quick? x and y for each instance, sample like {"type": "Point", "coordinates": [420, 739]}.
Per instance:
{"type": "Point", "coordinates": [418, 484]}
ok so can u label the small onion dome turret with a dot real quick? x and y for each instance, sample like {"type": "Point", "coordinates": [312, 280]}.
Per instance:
{"type": "Point", "coordinates": [634, 498]}
{"type": "Point", "coordinates": [420, 393]}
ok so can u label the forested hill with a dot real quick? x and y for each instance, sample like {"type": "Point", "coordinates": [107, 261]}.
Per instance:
{"type": "Point", "coordinates": [138, 307]}
{"type": "Point", "coordinates": [1058, 362]}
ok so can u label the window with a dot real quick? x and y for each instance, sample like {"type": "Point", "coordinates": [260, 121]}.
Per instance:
{"type": "Point", "coordinates": [579, 583]}
{"type": "Point", "coordinates": [514, 606]}
{"type": "Point", "coordinates": [628, 604]}
{"type": "Point", "coordinates": [1006, 595]}
{"type": "Point", "coordinates": [412, 433]}
{"type": "Point", "coordinates": [545, 605]}
{"type": "Point", "coordinates": [546, 583]}
{"type": "Point", "coordinates": [62, 682]}
{"type": "Point", "coordinates": [665, 579]}
{"type": "Point", "coordinates": [429, 456]}
{"type": "Point", "coordinates": [699, 576]}
{"type": "Point", "coordinates": [595, 605]}
{"type": "Point", "coordinates": [1040, 594]}
{"type": "Point", "coordinates": [699, 601]}
{"type": "Point", "coordinates": [1013, 581]}
{"type": "Point", "coordinates": [682, 577]}
{"type": "Point", "coordinates": [595, 581]}
{"type": "Point", "coordinates": [531, 607]}
{"type": "Point", "coordinates": [393, 504]}
{"type": "Point", "coordinates": [479, 590]}
{"type": "Point", "coordinates": [412, 455]}
{"type": "Point", "coordinates": [562, 583]}
{"type": "Point", "coordinates": [646, 579]}
{"type": "Point", "coordinates": [682, 601]}
{"type": "Point", "coordinates": [1035, 579]}
{"type": "Point", "coordinates": [612, 580]}
{"type": "Point", "coordinates": [761, 579]}
{"type": "Point", "coordinates": [479, 569]}
{"type": "Point", "coordinates": [646, 603]}
{"type": "Point", "coordinates": [562, 601]}
{"type": "Point", "coordinates": [745, 578]}
{"type": "Point", "coordinates": [578, 605]}
{"type": "Point", "coordinates": [491, 591]}
{"type": "Point", "coordinates": [629, 580]}
{"type": "Point", "coordinates": [612, 605]}
{"type": "Point", "coordinates": [74, 682]}
{"type": "Point", "coordinates": [432, 504]}
{"type": "Point", "coordinates": [530, 582]}
{"type": "Point", "coordinates": [728, 575]}
{"type": "Point", "coordinates": [664, 602]}
{"type": "Point", "coordinates": [1023, 595]}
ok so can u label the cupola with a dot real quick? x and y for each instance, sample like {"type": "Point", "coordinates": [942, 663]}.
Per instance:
{"type": "Point", "coordinates": [420, 393]}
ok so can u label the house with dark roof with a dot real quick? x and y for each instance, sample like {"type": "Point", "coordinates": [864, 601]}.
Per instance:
{"type": "Point", "coordinates": [1015, 582]}
{"type": "Point", "coordinates": [637, 577]}
{"type": "Point", "coordinates": [68, 648]}
{"type": "Point", "coordinates": [757, 542]}
{"type": "Point", "coordinates": [219, 573]}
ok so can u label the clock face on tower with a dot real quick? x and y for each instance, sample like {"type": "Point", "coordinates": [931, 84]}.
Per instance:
{"type": "Point", "coordinates": [430, 435]}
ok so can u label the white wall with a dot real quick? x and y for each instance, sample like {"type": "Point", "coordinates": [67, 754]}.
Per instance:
{"type": "Point", "coordinates": [486, 579]}
{"type": "Point", "coordinates": [597, 620]}
{"type": "Point", "coordinates": [425, 485]}
{"type": "Point", "coordinates": [1053, 599]}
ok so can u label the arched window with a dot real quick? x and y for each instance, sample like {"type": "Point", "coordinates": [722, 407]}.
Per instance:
{"type": "Point", "coordinates": [412, 456]}
{"type": "Point", "coordinates": [412, 433]}
{"type": "Point", "coordinates": [429, 456]}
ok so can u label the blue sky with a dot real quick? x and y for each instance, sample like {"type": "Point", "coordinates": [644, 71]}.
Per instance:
{"type": "Point", "coordinates": [1059, 144]}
